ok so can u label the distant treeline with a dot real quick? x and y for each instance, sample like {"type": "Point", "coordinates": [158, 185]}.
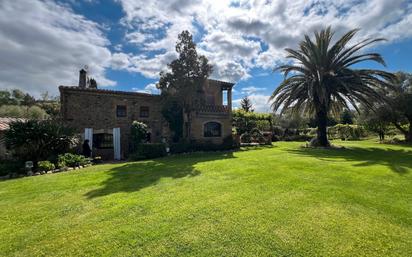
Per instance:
{"type": "Point", "coordinates": [18, 104]}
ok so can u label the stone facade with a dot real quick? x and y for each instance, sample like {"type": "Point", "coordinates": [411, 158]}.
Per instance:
{"type": "Point", "coordinates": [102, 110]}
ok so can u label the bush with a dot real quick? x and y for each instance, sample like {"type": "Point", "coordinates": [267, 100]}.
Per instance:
{"type": "Point", "coordinates": [194, 146]}
{"type": "Point", "coordinates": [229, 143]}
{"type": "Point", "coordinates": [21, 111]}
{"type": "Point", "coordinates": [45, 166]}
{"type": "Point", "coordinates": [138, 135]}
{"type": "Point", "coordinates": [301, 138]}
{"type": "Point", "coordinates": [245, 138]}
{"type": "Point", "coordinates": [180, 147]}
{"type": "Point", "coordinates": [9, 166]}
{"type": "Point", "coordinates": [72, 160]}
{"type": "Point", "coordinates": [257, 136]}
{"type": "Point", "coordinates": [35, 140]}
{"type": "Point", "coordinates": [148, 151]}
{"type": "Point", "coordinates": [346, 132]}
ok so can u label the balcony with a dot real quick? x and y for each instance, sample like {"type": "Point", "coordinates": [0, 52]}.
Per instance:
{"type": "Point", "coordinates": [217, 109]}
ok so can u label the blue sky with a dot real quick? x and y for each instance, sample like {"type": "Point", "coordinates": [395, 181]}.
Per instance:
{"type": "Point", "coordinates": [126, 43]}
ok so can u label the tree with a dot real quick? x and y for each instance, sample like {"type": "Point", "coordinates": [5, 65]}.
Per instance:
{"type": "Point", "coordinates": [21, 111]}
{"type": "Point", "coordinates": [38, 140]}
{"type": "Point", "coordinates": [183, 84]}
{"type": "Point", "coordinates": [324, 81]}
{"type": "Point", "coordinates": [28, 100]}
{"type": "Point", "coordinates": [6, 98]}
{"type": "Point", "coordinates": [346, 117]}
{"type": "Point", "coordinates": [401, 105]}
{"type": "Point", "coordinates": [377, 120]}
{"type": "Point", "coordinates": [246, 104]}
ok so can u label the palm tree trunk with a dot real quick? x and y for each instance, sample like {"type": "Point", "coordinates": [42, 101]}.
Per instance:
{"type": "Point", "coordinates": [322, 120]}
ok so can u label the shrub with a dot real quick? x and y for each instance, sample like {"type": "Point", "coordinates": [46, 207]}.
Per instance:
{"type": "Point", "coordinates": [9, 166]}
{"type": "Point", "coordinates": [245, 138]}
{"type": "Point", "coordinates": [180, 147]}
{"type": "Point", "coordinates": [229, 143]}
{"type": "Point", "coordinates": [277, 131]}
{"type": "Point", "coordinates": [21, 111]}
{"type": "Point", "coordinates": [45, 166]}
{"type": "Point", "coordinates": [193, 146]}
{"type": "Point", "coordinates": [298, 138]}
{"type": "Point", "coordinates": [38, 140]}
{"type": "Point", "coordinates": [346, 132]}
{"type": "Point", "coordinates": [148, 151]}
{"type": "Point", "coordinates": [138, 134]}
{"type": "Point", "coordinates": [246, 121]}
{"type": "Point", "coordinates": [257, 136]}
{"type": "Point", "coordinates": [71, 160]}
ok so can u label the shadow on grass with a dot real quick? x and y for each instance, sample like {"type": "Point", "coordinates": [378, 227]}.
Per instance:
{"type": "Point", "coordinates": [256, 147]}
{"type": "Point", "coordinates": [133, 176]}
{"type": "Point", "coordinates": [398, 161]}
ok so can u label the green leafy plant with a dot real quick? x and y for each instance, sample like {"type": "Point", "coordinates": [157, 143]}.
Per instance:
{"type": "Point", "coordinates": [72, 160]}
{"type": "Point", "coordinates": [347, 132]}
{"type": "Point", "coordinates": [138, 134]}
{"type": "Point", "coordinates": [36, 140]}
{"type": "Point", "coordinates": [45, 166]}
{"type": "Point", "coordinates": [148, 151]}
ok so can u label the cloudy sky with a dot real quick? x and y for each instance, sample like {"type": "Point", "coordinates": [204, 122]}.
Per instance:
{"type": "Point", "coordinates": [126, 43]}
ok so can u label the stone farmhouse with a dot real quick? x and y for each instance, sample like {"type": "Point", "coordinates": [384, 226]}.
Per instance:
{"type": "Point", "coordinates": [105, 116]}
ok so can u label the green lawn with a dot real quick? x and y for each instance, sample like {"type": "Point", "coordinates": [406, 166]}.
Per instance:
{"type": "Point", "coordinates": [274, 201]}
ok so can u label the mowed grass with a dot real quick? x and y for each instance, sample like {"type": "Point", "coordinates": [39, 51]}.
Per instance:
{"type": "Point", "coordinates": [273, 201]}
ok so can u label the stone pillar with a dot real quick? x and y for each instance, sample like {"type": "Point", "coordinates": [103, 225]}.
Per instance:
{"type": "Point", "coordinates": [82, 78]}
{"type": "Point", "coordinates": [229, 99]}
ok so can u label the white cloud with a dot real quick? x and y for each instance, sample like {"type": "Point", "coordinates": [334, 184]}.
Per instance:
{"type": "Point", "coordinates": [120, 61]}
{"type": "Point", "coordinates": [259, 102]}
{"type": "Point", "coordinates": [233, 34]}
{"type": "Point", "coordinates": [251, 90]}
{"type": "Point", "coordinates": [44, 44]}
{"type": "Point", "coordinates": [150, 89]}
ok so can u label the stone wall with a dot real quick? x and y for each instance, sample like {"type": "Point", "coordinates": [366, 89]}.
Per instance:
{"type": "Point", "coordinates": [96, 108]}
{"type": "Point", "coordinates": [202, 117]}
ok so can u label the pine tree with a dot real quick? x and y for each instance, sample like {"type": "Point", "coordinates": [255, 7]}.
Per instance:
{"type": "Point", "coordinates": [183, 84]}
{"type": "Point", "coordinates": [246, 104]}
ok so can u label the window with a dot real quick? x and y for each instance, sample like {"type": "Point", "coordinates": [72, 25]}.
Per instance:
{"type": "Point", "coordinates": [103, 141]}
{"type": "Point", "coordinates": [144, 111]}
{"type": "Point", "coordinates": [212, 129]}
{"type": "Point", "coordinates": [121, 111]}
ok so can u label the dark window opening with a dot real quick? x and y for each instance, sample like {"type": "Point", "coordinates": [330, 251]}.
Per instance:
{"type": "Point", "coordinates": [121, 111]}
{"type": "Point", "coordinates": [103, 141]}
{"type": "Point", "coordinates": [144, 111]}
{"type": "Point", "coordinates": [212, 129]}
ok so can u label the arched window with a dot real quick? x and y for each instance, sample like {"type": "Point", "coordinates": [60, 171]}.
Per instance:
{"type": "Point", "coordinates": [212, 129]}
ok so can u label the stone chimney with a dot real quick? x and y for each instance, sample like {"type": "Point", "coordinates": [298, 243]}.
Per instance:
{"type": "Point", "coordinates": [92, 83]}
{"type": "Point", "coordinates": [83, 78]}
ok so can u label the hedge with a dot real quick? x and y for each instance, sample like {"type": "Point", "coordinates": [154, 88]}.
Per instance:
{"type": "Point", "coordinates": [148, 151]}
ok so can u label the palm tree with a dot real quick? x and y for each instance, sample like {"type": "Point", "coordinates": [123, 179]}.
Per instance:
{"type": "Point", "coordinates": [323, 81]}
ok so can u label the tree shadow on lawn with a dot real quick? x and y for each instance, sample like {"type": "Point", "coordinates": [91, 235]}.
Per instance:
{"type": "Point", "coordinates": [398, 161]}
{"type": "Point", "coordinates": [133, 176]}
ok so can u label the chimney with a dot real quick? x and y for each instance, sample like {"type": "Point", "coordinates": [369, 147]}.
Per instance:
{"type": "Point", "coordinates": [83, 78]}
{"type": "Point", "coordinates": [92, 83]}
